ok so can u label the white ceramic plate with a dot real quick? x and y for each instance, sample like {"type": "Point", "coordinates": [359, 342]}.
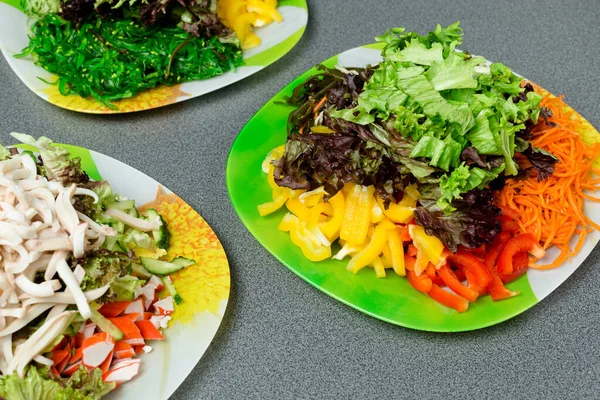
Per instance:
{"type": "Point", "coordinates": [276, 40]}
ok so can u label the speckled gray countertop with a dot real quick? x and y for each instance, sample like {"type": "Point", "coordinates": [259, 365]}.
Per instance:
{"type": "Point", "coordinates": [281, 338]}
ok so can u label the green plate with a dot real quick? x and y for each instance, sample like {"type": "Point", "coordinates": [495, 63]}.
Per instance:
{"type": "Point", "coordinates": [391, 299]}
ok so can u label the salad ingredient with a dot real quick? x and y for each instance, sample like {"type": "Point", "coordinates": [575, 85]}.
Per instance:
{"type": "Point", "coordinates": [473, 223]}
{"type": "Point", "coordinates": [357, 215]}
{"type": "Point", "coordinates": [158, 267]}
{"type": "Point", "coordinates": [104, 267]}
{"type": "Point", "coordinates": [138, 58]}
{"type": "Point", "coordinates": [244, 15]}
{"type": "Point", "coordinates": [552, 209]}
{"type": "Point", "coordinates": [448, 299]}
{"type": "Point", "coordinates": [38, 383]}
{"type": "Point", "coordinates": [525, 242]}
{"type": "Point", "coordinates": [161, 235]}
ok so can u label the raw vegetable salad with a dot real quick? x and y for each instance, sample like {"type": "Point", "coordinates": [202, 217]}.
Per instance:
{"type": "Point", "coordinates": [114, 49]}
{"type": "Point", "coordinates": [80, 277]}
{"type": "Point", "coordinates": [446, 168]}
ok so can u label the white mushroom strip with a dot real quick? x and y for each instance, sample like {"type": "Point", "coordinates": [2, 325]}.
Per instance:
{"type": "Point", "coordinates": [57, 309]}
{"type": "Point", "coordinates": [103, 229]}
{"type": "Point", "coordinates": [12, 312]}
{"type": "Point", "coordinates": [67, 276]}
{"type": "Point", "coordinates": [6, 347]}
{"type": "Point", "coordinates": [10, 164]}
{"type": "Point", "coordinates": [61, 242]}
{"type": "Point", "coordinates": [87, 192]}
{"type": "Point", "coordinates": [78, 240]}
{"type": "Point", "coordinates": [54, 260]}
{"type": "Point", "coordinates": [21, 263]}
{"type": "Point", "coordinates": [64, 209]}
{"type": "Point", "coordinates": [31, 314]}
{"type": "Point", "coordinates": [37, 342]}
{"type": "Point", "coordinates": [29, 166]}
{"type": "Point", "coordinates": [43, 289]}
{"type": "Point", "coordinates": [43, 360]}
{"type": "Point", "coordinates": [67, 298]}
{"type": "Point", "coordinates": [79, 273]}
{"type": "Point", "coordinates": [137, 223]}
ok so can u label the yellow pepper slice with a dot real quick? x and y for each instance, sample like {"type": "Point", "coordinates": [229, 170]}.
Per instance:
{"type": "Point", "coordinates": [397, 213]}
{"type": "Point", "coordinates": [261, 8]}
{"type": "Point", "coordinates": [428, 247]}
{"type": "Point", "coordinates": [276, 204]}
{"type": "Point", "coordinates": [373, 249]}
{"type": "Point", "coordinates": [397, 252]}
{"type": "Point", "coordinates": [357, 215]}
{"type": "Point", "coordinates": [331, 228]}
{"type": "Point", "coordinates": [378, 267]}
{"type": "Point", "coordinates": [304, 239]}
{"type": "Point", "coordinates": [315, 214]}
{"type": "Point", "coordinates": [313, 197]}
{"type": "Point", "coordinates": [376, 213]}
{"type": "Point", "coordinates": [287, 222]}
{"type": "Point", "coordinates": [386, 258]}
{"type": "Point", "coordinates": [412, 191]}
{"type": "Point", "coordinates": [298, 209]}
{"type": "Point", "coordinates": [273, 155]}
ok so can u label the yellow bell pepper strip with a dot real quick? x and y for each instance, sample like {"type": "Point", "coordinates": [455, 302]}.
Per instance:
{"type": "Point", "coordinates": [331, 228]}
{"type": "Point", "coordinates": [260, 7]}
{"type": "Point", "coordinates": [313, 197]}
{"type": "Point", "coordinates": [319, 235]}
{"type": "Point", "coordinates": [321, 129]}
{"type": "Point", "coordinates": [273, 155]}
{"type": "Point", "coordinates": [298, 209]}
{"type": "Point", "coordinates": [271, 177]}
{"type": "Point", "coordinates": [397, 252]}
{"type": "Point", "coordinates": [378, 267]}
{"type": "Point", "coordinates": [357, 215]}
{"type": "Point", "coordinates": [347, 250]}
{"type": "Point", "coordinates": [430, 246]}
{"type": "Point", "coordinates": [373, 249]}
{"type": "Point", "coordinates": [286, 223]}
{"type": "Point", "coordinates": [386, 258]}
{"type": "Point", "coordinates": [376, 213]}
{"type": "Point", "coordinates": [276, 204]}
{"type": "Point", "coordinates": [301, 237]}
{"type": "Point", "coordinates": [397, 213]}
{"type": "Point", "coordinates": [314, 214]}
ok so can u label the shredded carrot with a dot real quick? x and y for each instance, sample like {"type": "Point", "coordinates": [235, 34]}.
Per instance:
{"type": "Point", "coordinates": [553, 209]}
{"type": "Point", "coordinates": [319, 104]}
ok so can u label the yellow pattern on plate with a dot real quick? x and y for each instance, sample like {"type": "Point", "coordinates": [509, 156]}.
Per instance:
{"type": "Point", "coordinates": [151, 98]}
{"type": "Point", "coordinates": [204, 285]}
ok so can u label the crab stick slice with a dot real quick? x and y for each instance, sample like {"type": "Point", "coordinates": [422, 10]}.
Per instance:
{"type": "Point", "coordinates": [164, 306]}
{"type": "Point", "coordinates": [136, 307]}
{"type": "Point", "coordinates": [148, 330]}
{"type": "Point", "coordinates": [131, 333]}
{"type": "Point", "coordinates": [106, 364]}
{"type": "Point", "coordinates": [147, 315]}
{"type": "Point", "coordinates": [123, 350]}
{"type": "Point", "coordinates": [156, 320]}
{"type": "Point", "coordinates": [89, 330]}
{"type": "Point", "coordinates": [148, 293]}
{"type": "Point", "coordinates": [58, 356]}
{"type": "Point", "coordinates": [71, 368]}
{"type": "Point", "coordinates": [110, 310]}
{"type": "Point", "coordinates": [76, 356]}
{"type": "Point", "coordinates": [122, 372]}
{"type": "Point", "coordinates": [133, 316]}
{"type": "Point", "coordinates": [139, 349]}
{"type": "Point", "coordinates": [96, 349]}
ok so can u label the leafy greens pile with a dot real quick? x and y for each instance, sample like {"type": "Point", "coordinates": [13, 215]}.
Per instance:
{"type": "Point", "coordinates": [113, 50]}
{"type": "Point", "coordinates": [427, 114]}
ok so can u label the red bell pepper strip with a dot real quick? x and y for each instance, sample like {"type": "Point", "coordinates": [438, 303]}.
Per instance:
{"type": "Point", "coordinates": [520, 266]}
{"type": "Point", "coordinates": [465, 260]}
{"type": "Point", "coordinates": [457, 287]}
{"type": "Point", "coordinates": [508, 212]}
{"type": "Point", "coordinates": [448, 299]}
{"type": "Point", "coordinates": [478, 251]}
{"type": "Point", "coordinates": [422, 282]}
{"type": "Point", "coordinates": [495, 249]}
{"type": "Point", "coordinates": [524, 242]}
{"type": "Point", "coordinates": [509, 226]}
{"type": "Point", "coordinates": [473, 282]}
{"type": "Point", "coordinates": [432, 274]}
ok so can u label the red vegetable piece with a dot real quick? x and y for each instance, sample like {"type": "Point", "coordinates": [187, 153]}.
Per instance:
{"type": "Point", "coordinates": [148, 331]}
{"type": "Point", "coordinates": [110, 310]}
{"type": "Point", "coordinates": [524, 242]}
{"type": "Point", "coordinates": [422, 282]}
{"type": "Point", "coordinates": [455, 285]}
{"type": "Point", "coordinates": [448, 299]}
{"type": "Point", "coordinates": [520, 265]}
{"type": "Point", "coordinates": [462, 259]}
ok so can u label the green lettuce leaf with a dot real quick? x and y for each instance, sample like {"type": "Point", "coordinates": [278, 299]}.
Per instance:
{"type": "Point", "coordinates": [453, 72]}
{"type": "Point", "coordinates": [462, 180]}
{"type": "Point", "coordinates": [417, 53]}
{"type": "Point", "coordinates": [441, 153]}
{"type": "Point", "coordinates": [38, 384]}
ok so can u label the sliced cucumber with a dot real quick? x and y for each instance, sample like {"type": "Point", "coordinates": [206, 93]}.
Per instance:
{"type": "Point", "coordinates": [140, 271]}
{"type": "Point", "coordinates": [122, 205]}
{"type": "Point", "coordinates": [162, 236]}
{"type": "Point", "coordinates": [106, 326]}
{"type": "Point", "coordinates": [184, 262]}
{"type": "Point", "coordinates": [158, 267]}
{"type": "Point", "coordinates": [171, 289]}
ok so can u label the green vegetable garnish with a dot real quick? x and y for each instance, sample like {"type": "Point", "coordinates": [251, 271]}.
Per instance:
{"type": "Point", "coordinates": [111, 59]}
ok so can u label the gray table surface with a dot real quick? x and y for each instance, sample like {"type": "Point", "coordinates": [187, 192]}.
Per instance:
{"type": "Point", "coordinates": [280, 337]}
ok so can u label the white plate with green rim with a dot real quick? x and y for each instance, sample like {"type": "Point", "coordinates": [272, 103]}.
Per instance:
{"type": "Point", "coordinates": [277, 39]}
